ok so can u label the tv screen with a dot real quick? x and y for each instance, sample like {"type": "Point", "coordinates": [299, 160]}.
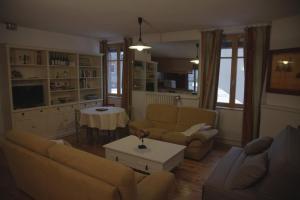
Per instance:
{"type": "Point", "coordinates": [28, 96]}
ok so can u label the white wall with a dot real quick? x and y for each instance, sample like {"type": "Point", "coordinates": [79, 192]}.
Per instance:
{"type": "Point", "coordinates": [44, 39]}
{"type": "Point", "coordinates": [279, 110]}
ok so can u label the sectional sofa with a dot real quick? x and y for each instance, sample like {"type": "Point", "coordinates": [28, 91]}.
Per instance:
{"type": "Point", "coordinates": [46, 170]}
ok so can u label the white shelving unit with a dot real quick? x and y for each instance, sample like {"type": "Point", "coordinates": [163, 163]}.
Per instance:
{"type": "Point", "coordinates": [144, 76]}
{"type": "Point", "coordinates": [90, 77]}
{"type": "Point", "coordinates": [57, 74]}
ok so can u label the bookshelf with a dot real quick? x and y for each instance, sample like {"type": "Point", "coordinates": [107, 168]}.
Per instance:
{"type": "Point", "coordinates": [144, 76]}
{"type": "Point", "coordinates": [90, 77]}
{"type": "Point", "coordinates": [52, 84]}
{"type": "Point", "coordinates": [63, 74]}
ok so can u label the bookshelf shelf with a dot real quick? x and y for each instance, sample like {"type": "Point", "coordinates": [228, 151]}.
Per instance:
{"type": "Point", "coordinates": [28, 79]}
{"type": "Point", "coordinates": [96, 67]}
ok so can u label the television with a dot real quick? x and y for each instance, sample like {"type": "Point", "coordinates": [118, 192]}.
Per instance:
{"type": "Point", "coordinates": [28, 96]}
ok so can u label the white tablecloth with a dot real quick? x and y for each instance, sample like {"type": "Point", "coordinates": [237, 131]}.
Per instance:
{"type": "Point", "coordinates": [104, 120]}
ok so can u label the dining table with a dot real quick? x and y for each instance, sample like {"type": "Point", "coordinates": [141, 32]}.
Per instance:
{"type": "Point", "coordinates": [106, 119]}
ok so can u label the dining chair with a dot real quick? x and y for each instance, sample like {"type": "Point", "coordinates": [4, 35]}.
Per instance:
{"type": "Point", "coordinates": [77, 124]}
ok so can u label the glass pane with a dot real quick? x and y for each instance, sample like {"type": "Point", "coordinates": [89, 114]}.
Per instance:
{"type": "Point", "coordinates": [240, 82]}
{"type": "Point", "coordinates": [240, 52]}
{"type": "Point", "coordinates": [121, 77]}
{"type": "Point", "coordinates": [224, 81]}
{"type": "Point", "coordinates": [193, 80]}
{"type": "Point", "coordinates": [112, 77]}
{"type": "Point", "coordinates": [121, 55]}
{"type": "Point", "coordinates": [226, 52]}
{"type": "Point", "coordinates": [112, 55]}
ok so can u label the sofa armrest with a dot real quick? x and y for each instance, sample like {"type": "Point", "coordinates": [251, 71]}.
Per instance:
{"type": "Point", "coordinates": [138, 125]}
{"type": "Point", "coordinates": [204, 136]}
{"type": "Point", "coordinates": [157, 186]}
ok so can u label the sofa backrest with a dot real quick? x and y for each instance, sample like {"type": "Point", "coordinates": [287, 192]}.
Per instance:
{"type": "Point", "coordinates": [283, 178]}
{"type": "Point", "coordinates": [30, 141]}
{"type": "Point", "coordinates": [113, 173]}
{"type": "Point", "coordinates": [62, 172]}
{"type": "Point", "coordinates": [162, 115]}
{"type": "Point", "coordinates": [188, 116]}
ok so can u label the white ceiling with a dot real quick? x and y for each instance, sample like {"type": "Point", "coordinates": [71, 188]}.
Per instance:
{"type": "Point", "coordinates": [111, 19]}
{"type": "Point", "coordinates": [181, 49]}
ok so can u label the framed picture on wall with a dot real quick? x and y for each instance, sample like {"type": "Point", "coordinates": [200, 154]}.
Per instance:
{"type": "Point", "coordinates": [284, 71]}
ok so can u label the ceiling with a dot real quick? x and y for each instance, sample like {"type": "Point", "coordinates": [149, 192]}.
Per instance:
{"type": "Point", "coordinates": [181, 49]}
{"type": "Point", "coordinates": [112, 19]}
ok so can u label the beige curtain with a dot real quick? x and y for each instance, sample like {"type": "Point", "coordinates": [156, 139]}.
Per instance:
{"type": "Point", "coordinates": [127, 75]}
{"type": "Point", "coordinates": [104, 50]}
{"type": "Point", "coordinates": [256, 50]}
{"type": "Point", "coordinates": [211, 42]}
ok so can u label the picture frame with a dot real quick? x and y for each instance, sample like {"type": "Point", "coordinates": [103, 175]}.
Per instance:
{"type": "Point", "coordinates": [284, 71]}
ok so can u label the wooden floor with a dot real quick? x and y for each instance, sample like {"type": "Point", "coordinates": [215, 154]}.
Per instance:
{"type": "Point", "coordinates": [190, 175]}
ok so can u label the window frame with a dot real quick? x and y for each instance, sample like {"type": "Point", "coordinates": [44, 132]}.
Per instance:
{"type": "Point", "coordinates": [235, 39]}
{"type": "Point", "coordinates": [118, 48]}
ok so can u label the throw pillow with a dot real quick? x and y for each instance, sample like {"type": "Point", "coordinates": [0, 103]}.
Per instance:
{"type": "Point", "coordinates": [258, 145]}
{"type": "Point", "coordinates": [251, 170]}
{"type": "Point", "coordinates": [195, 128]}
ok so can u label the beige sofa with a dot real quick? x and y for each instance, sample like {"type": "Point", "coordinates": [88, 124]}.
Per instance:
{"type": "Point", "coordinates": [166, 122]}
{"type": "Point", "coordinates": [46, 170]}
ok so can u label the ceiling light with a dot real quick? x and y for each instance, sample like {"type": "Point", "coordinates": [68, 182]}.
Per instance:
{"type": "Point", "coordinates": [196, 60]}
{"type": "Point", "coordinates": [140, 45]}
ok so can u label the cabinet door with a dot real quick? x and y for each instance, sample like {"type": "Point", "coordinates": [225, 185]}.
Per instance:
{"type": "Point", "coordinates": [22, 124]}
{"type": "Point", "coordinates": [34, 121]}
{"type": "Point", "coordinates": [54, 122]}
{"type": "Point", "coordinates": [68, 115]}
{"type": "Point", "coordinates": [39, 122]}
{"type": "Point", "coordinates": [61, 121]}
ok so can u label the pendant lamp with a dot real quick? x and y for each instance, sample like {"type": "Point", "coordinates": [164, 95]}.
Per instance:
{"type": "Point", "coordinates": [140, 45]}
{"type": "Point", "coordinates": [196, 60]}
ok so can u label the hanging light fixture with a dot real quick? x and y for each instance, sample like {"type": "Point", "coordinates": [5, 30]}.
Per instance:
{"type": "Point", "coordinates": [196, 60]}
{"type": "Point", "coordinates": [140, 45]}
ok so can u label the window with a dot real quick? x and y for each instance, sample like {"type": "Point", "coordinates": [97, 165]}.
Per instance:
{"type": "Point", "coordinates": [231, 75]}
{"type": "Point", "coordinates": [115, 70]}
{"type": "Point", "coordinates": [193, 80]}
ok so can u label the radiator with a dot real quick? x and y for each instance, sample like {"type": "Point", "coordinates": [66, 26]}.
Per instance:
{"type": "Point", "coordinates": [160, 99]}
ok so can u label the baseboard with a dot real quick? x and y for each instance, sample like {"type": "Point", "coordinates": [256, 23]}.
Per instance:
{"type": "Point", "coordinates": [228, 141]}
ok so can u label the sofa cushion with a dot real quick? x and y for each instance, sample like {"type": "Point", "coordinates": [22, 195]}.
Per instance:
{"type": "Point", "coordinates": [175, 137]}
{"type": "Point", "coordinates": [225, 167]}
{"type": "Point", "coordinates": [251, 170]}
{"type": "Point", "coordinates": [188, 116]}
{"type": "Point", "coordinates": [108, 171]}
{"type": "Point", "coordinates": [258, 145]}
{"type": "Point", "coordinates": [156, 133]}
{"type": "Point", "coordinates": [30, 141]}
{"type": "Point", "coordinates": [157, 186]}
{"type": "Point", "coordinates": [218, 184]}
{"type": "Point", "coordinates": [162, 115]}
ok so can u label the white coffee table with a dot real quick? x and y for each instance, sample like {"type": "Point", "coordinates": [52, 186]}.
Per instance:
{"type": "Point", "coordinates": [158, 156]}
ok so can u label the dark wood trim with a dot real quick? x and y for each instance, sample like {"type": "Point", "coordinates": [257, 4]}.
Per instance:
{"type": "Point", "coordinates": [269, 72]}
